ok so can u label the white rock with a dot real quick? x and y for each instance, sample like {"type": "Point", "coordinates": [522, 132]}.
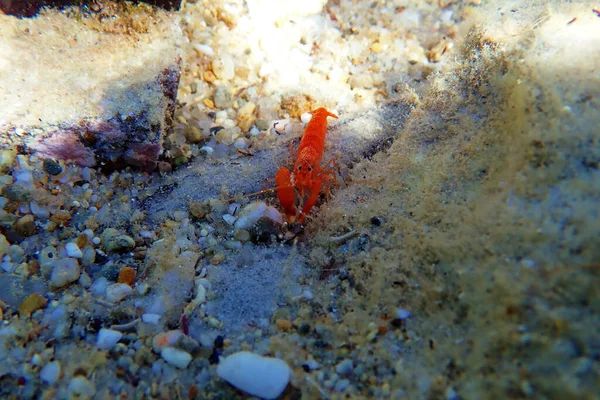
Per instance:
{"type": "Point", "coordinates": [230, 219]}
{"type": "Point", "coordinates": [204, 49]}
{"type": "Point", "coordinates": [117, 292]}
{"type": "Point", "coordinates": [402, 313]}
{"type": "Point", "coordinates": [64, 272]}
{"type": "Point", "coordinates": [81, 388]}
{"type": "Point", "coordinates": [165, 339]}
{"type": "Point", "coordinates": [306, 117]}
{"type": "Point", "coordinates": [99, 286]}
{"type": "Point", "coordinates": [143, 288]}
{"type": "Point", "coordinates": [39, 211]}
{"type": "Point", "coordinates": [150, 318]}
{"type": "Point", "coordinates": [107, 338]}
{"type": "Point", "coordinates": [209, 150]}
{"type": "Point", "coordinates": [264, 377]}
{"type": "Point", "coordinates": [50, 372]}
{"type": "Point", "coordinates": [73, 250]}
{"type": "Point", "coordinates": [255, 211]}
{"type": "Point", "coordinates": [176, 357]}
{"type": "Point", "coordinates": [36, 360]}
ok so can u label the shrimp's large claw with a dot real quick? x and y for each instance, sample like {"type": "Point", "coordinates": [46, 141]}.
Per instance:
{"type": "Point", "coordinates": [285, 193]}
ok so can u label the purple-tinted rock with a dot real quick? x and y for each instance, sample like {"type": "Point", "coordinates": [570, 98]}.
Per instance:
{"type": "Point", "coordinates": [106, 99]}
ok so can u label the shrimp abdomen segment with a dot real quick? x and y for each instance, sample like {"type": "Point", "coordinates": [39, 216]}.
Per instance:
{"type": "Point", "coordinates": [314, 134]}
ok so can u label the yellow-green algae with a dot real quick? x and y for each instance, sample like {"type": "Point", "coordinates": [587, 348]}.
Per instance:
{"type": "Point", "coordinates": [490, 202]}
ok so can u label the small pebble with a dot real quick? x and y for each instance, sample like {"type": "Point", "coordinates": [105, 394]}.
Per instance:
{"type": "Point", "coordinates": [50, 372]}
{"type": "Point", "coordinates": [127, 276]}
{"type": "Point", "coordinates": [73, 250]}
{"type": "Point", "coordinates": [99, 286]}
{"type": "Point", "coordinates": [81, 388]}
{"type": "Point", "coordinates": [345, 368]}
{"type": "Point", "coordinates": [143, 288]}
{"type": "Point", "coordinates": [150, 318]}
{"type": "Point", "coordinates": [263, 377]}
{"type": "Point", "coordinates": [64, 272]}
{"type": "Point", "coordinates": [107, 338]}
{"type": "Point", "coordinates": [402, 313]}
{"type": "Point", "coordinates": [31, 304]}
{"type": "Point", "coordinates": [230, 219]}
{"type": "Point", "coordinates": [117, 292]}
{"type": "Point", "coordinates": [52, 167]}
{"type": "Point", "coordinates": [176, 357]}
{"type": "Point", "coordinates": [114, 241]}
{"type": "Point", "coordinates": [341, 385]}
{"type": "Point", "coordinates": [165, 339]}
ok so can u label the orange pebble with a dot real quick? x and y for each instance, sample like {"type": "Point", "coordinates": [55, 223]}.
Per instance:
{"type": "Point", "coordinates": [127, 275]}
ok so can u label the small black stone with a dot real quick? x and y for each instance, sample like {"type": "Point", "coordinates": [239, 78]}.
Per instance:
{"type": "Point", "coordinates": [215, 129]}
{"type": "Point", "coordinates": [397, 323]}
{"type": "Point", "coordinates": [214, 357]}
{"type": "Point", "coordinates": [305, 367]}
{"type": "Point", "coordinates": [219, 342]}
{"type": "Point", "coordinates": [376, 221]}
{"type": "Point", "coordinates": [304, 329]}
{"type": "Point", "coordinates": [52, 167]}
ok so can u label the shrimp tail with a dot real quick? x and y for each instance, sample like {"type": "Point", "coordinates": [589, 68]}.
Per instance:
{"type": "Point", "coordinates": [285, 193]}
{"type": "Point", "coordinates": [324, 111]}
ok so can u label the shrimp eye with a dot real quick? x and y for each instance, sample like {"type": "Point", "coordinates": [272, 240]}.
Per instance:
{"type": "Point", "coordinates": [299, 167]}
{"type": "Point", "coordinates": [309, 169]}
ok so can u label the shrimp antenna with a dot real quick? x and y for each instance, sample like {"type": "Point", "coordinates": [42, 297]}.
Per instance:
{"type": "Point", "coordinates": [270, 190]}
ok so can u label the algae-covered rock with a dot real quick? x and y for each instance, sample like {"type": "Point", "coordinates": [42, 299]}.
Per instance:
{"type": "Point", "coordinates": [114, 241]}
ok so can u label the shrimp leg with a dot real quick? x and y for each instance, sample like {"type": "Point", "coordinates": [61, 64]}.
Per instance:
{"type": "Point", "coordinates": [315, 191]}
{"type": "Point", "coordinates": [286, 193]}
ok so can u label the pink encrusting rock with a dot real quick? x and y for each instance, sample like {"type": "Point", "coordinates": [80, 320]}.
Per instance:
{"type": "Point", "coordinates": [107, 98]}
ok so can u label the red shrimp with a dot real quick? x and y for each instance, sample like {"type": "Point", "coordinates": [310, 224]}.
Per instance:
{"type": "Point", "coordinates": [308, 177]}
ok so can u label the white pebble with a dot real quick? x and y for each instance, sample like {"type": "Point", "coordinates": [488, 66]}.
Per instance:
{"type": "Point", "coordinates": [85, 280]}
{"type": "Point", "coordinates": [306, 117]}
{"type": "Point", "coordinates": [230, 219]}
{"type": "Point", "coordinates": [81, 388]}
{"type": "Point", "coordinates": [50, 372]}
{"type": "Point", "coordinates": [240, 143]}
{"type": "Point", "coordinates": [89, 233]}
{"type": "Point", "coordinates": [39, 211]}
{"type": "Point", "coordinates": [99, 286]}
{"type": "Point", "coordinates": [402, 313]}
{"type": "Point", "coordinates": [165, 339]}
{"type": "Point", "coordinates": [143, 288]}
{"type": "Point", "coordinates": [36, 360]}
{"type": "Point", "coordinates": [96, 240]}
{"type": "Point", "coordinates": [255, 211]}
{"type": "Point", "coordinates": [73, 250]}
{"type": "Point", "coordinates": [209, 150]}
{"type": "Point", "coordinates": [345, 367]}
{"type": "Point", "coordinates": [204, 49]}
{"type": "Point", "coordinates": [150, 318]}
{"type": "Point", "coordinates": [107, 338]}
{"type": "Point", "coordinates": [64, 272]}
{"type": "Point", "coordinates": [263, 377]}
{"type": "Point", "coordinates": [176, 357]}
{"type": "Point", "coordinates": [117, 292]}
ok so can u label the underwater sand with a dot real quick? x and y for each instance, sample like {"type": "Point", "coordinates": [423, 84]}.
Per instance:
{"type": "Point", "coordinates": [456, 257]}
